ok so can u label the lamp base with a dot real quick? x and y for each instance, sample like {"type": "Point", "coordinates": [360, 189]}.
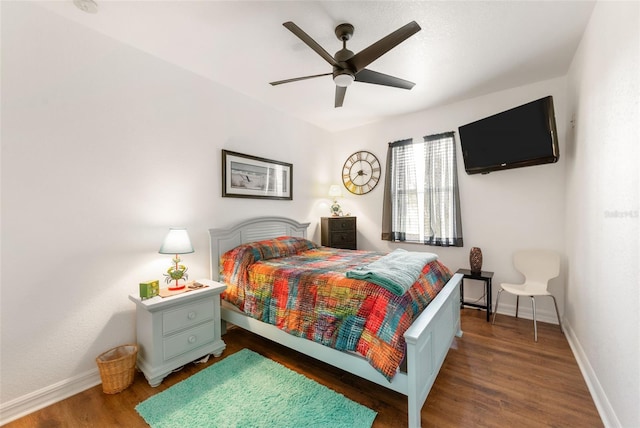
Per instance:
{"type": "Point", "coordinates": [177, 287]}
{"type": "Point", "coordinates": [336, 210]}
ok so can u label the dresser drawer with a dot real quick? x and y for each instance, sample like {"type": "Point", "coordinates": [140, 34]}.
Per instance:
{"type": "Point", "coordinates": [184, 342]}
{"type": "Point", "coordinates": [340, 224]}
{"type": "Point", "coordinates": [186, 316]}
{"type": "Point", "coordinates": [342, 239]}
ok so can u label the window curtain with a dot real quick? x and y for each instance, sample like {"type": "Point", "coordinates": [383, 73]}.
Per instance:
{"type": "Point", "coordinates": [421, 196]}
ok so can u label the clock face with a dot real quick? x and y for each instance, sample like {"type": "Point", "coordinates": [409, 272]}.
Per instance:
{"type": "Point", "coordinates": [361, 172]}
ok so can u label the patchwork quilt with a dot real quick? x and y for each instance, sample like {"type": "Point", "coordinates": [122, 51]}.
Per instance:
{"type": "Point", "coordinates": [303, 289]}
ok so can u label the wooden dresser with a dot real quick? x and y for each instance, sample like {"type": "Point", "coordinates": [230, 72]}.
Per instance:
{"type": "Point", "coordinates": [339, 232]}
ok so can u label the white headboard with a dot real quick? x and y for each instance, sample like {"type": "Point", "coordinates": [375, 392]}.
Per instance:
{"type": "Point", "coordinates": [256, 229]}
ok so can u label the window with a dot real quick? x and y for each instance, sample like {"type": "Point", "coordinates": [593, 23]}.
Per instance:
{"type": "Point", "coordinates": [421, 198]}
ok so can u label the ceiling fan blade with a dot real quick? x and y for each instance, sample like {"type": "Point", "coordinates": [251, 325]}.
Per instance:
{"type": "Point", "coordinates": [340, 91]}
{"type": "Point", "coordinates": [366, 56]}
{"type": "Point", "coordinates": [295, 79]}
{"type": "Point", "coordinates": [370, 76]}
{"type": "Point", "coordinates": [310, 42]}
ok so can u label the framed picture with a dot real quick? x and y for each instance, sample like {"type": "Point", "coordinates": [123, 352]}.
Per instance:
{"type": "Point", "coordinates": [245, 176]}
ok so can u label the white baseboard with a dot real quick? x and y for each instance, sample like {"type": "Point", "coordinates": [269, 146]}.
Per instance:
{"type": "Point", "coordinates": [44, 397]}
{"type": "Point", "coordinates": [607, 414]}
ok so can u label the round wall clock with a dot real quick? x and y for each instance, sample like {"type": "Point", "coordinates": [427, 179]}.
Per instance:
{"type": "Point", "coordinates": [361, 172]}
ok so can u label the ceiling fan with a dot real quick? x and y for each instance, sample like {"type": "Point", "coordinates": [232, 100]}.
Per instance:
{"type": "Point", "coordinates": [349, 67]}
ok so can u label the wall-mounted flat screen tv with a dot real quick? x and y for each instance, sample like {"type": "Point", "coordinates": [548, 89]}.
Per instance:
{"type": "Point", "coordinates": [522, 136]}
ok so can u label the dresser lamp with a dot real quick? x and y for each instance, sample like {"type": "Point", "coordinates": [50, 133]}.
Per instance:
{"type": "Point", "coordinates": [176, 242]}
{"type": "Point", "coordinates": [335, 192]}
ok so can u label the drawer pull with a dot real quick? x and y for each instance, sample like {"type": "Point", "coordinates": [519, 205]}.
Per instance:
{"type": "Point", "coordinates": [192, 339]}
{"type": "Point", "coordinates": [192, 315]}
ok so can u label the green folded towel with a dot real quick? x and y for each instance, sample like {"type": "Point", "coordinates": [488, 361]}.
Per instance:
{"type": "Point", "coordinates": [397, 271]}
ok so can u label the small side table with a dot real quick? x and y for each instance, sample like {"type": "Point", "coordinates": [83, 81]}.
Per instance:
{"type": "Point", "coordinates": [176, 330]}
{"type": "Point", "coordinates": [339, 232]}
{"type": "Point", "coordinates": [480, 276]}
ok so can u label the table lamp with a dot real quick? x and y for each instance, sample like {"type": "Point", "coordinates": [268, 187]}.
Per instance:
{"type": "Point", "coordinates": [335, 192]}
{"type": "Point", "coordinates": [176, 242]}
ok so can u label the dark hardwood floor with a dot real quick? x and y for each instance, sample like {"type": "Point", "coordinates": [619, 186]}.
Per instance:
{"type": "Point", "coordinates": [494, 376]}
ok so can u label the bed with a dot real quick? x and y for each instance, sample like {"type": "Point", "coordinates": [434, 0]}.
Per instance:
{"type": "Point", "coordinates": [427, 339]}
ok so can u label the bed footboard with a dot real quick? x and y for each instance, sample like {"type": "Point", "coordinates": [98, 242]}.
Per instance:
{"type": "Point", "coordinates": [428, 341]}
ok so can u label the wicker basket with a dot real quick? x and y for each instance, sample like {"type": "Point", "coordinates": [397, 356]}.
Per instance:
{"type": "Point", "coordinates": [117, 368]}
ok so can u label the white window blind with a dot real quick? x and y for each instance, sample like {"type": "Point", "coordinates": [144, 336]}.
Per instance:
{"type": "Point", "coordinates": [422, 203]}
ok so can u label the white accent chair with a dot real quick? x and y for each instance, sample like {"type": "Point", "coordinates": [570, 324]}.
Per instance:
{"type": "Point", "coordinates": [538, 267]}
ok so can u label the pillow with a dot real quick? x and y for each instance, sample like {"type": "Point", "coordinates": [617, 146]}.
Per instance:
{"type": "Point", "coordinates": [238, 259]}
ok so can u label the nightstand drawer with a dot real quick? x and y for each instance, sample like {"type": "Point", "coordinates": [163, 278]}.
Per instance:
{"type": "Point", "coordinates": [342, 239]}
{"type": "Point", "coordinates": [343, 224]}
{"type": "Point", "coordinates": [187, 316]}
{"type": "Point", "coordinates": [184, 342]}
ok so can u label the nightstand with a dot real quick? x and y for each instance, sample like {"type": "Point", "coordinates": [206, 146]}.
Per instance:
{"type": "Point", "coordinates": [338, 232]}
{"type": "Point", "coordinates": [484, 276]}
{"type": "Point", "coordinates": [176, 330]}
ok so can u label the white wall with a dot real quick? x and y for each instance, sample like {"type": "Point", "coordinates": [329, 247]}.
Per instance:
{"type": "Point", "coordinates": [501, 212]}
{"type": "Point", "coordinates": [603, 211]}
{"type": "Point", "coordinates": [103, 149]}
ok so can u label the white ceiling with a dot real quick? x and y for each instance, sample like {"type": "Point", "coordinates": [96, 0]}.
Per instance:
{"type": "Point", "coordinates": [465, 48]}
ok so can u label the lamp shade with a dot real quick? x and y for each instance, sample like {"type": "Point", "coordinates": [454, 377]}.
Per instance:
{"type": "Point", "coordinates": [176, 242]}
{"type": "Point", "coordinates": [335, 191]}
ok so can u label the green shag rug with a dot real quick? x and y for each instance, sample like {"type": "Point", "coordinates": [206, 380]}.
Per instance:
{"type": "Point", "coordinates": [248, 390]}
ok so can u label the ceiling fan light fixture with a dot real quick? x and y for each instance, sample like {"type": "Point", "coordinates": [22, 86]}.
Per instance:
{"type": "Point", "coordinates": [343, 80]}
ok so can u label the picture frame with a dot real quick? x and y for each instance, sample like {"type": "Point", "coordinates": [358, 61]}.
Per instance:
{"type": "Point", "coordinates": [246, 176]}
